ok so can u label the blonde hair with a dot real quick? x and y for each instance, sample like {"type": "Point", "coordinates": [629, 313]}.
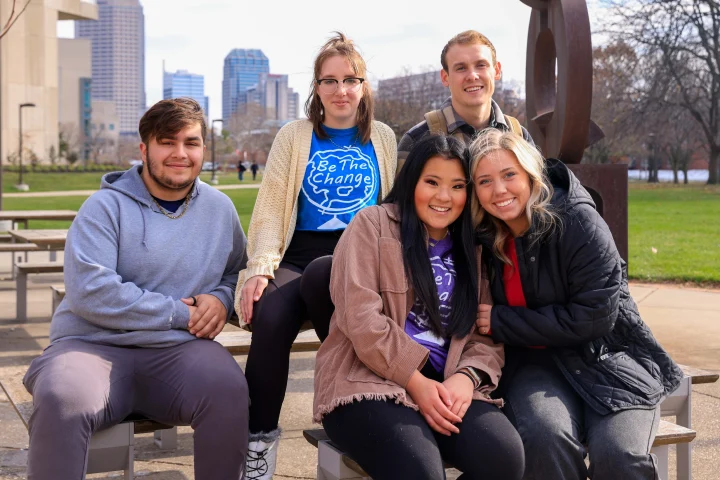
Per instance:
{"type": "Point", "coordinates": [468, 37]}
{"type": "Point", "coordinates": [340, 45]}
{"type": "Point", "coordinates": [538, 210]}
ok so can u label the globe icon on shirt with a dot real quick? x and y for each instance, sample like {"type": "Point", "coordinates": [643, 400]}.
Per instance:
{"type": "Point", "coordinates": [339, 182]}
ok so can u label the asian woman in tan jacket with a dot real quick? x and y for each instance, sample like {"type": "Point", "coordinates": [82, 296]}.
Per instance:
{"type": "Point", "coordinates": [403, 380]}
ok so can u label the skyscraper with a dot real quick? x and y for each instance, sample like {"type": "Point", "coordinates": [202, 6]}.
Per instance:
{"type": "Point", "coordinates": [118, 58]}
{"type": "Point", "coordinates": [185, 84]}
{"type": "Point", "coordinates": [241, 70]}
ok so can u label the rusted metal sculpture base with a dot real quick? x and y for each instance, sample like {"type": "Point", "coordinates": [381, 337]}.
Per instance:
{"type": "Point", "coordinates": [608, 185]}
{"type": "Point", "coordinates": [559, 100]}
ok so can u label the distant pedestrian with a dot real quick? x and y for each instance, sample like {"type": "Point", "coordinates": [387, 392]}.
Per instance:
{"type": "Point", "coordinates": [254, 169]}
{"type": "Point", "coordinates": [241, 169]}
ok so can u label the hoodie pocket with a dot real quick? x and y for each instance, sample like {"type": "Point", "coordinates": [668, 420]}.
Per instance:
{"type": "Point", "coordinates": [623, 368]}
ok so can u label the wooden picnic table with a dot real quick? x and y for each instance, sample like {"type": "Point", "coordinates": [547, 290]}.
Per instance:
{"type": "Point", "coordinates": [41, 238]}
{"type": "Point", "coordinates": [23, 216]}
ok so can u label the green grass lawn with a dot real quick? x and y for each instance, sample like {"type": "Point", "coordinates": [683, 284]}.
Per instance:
{"type": "Point", "coordinates": [56, 182]}
{"type": "Point", "coordinates": [681, 222]}
{"type": "Point", "coordinates": [244, 201]}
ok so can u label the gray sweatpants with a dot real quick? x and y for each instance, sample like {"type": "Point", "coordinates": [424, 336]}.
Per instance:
{"type": "Point", "coordinates": [80, 387]}
{"type": "Point", "coordinates": [554, 423]}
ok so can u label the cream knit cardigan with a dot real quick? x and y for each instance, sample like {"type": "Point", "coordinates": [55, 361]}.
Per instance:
{"type": "Point", "coordinates": [273, 219]}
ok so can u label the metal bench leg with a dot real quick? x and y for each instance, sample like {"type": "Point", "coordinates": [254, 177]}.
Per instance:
{"type": "Point", "coordinates": [684, 450]}
{"type": "Point", "coordinates": [53, 256]}
{"type": "Point", "coordinates": [113, 449]}
{"type": "Point", "coordinates": [166, 439]}
{"type": "Point", "coordinates": [21, 301]}
{"type": "Point", "coordinates": [661, 453]}
{"type": "Point", "coordinates": [331, 466]}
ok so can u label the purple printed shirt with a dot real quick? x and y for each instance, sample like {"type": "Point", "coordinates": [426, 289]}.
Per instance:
{"type": "Point", "coordinates": [417, 324]}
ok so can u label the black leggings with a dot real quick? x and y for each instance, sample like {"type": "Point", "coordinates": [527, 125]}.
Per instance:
{"type": "Point", "coordinates": [391, 441]}
{"type": "Point", "coordinates": [290, 299]}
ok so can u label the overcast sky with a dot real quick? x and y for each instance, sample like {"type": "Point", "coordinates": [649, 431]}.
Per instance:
{"type": "Point", "coordinates": [392, 35]}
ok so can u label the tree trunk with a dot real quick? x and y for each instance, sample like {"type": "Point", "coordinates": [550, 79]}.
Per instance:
{"type": "Point", "coordinates": [685, 175]}
{"type": "Point", "coordinates": [713, 166]}
{"type": "Point", "coordinates": [676, 180]}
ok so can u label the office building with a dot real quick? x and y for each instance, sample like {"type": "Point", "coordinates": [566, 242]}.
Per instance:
{"type": "Point", "coordinates": [421, 89]}
{"type": "Point", "coordinates": [294, 106]}
{"type": "Point", "coordinates": [118, 58]}
{"type": "Point", "coordinates": [74, 85]}
{"type": "Point", "coordinates": [241, 70]}
{"type": "Point", "coordinates": [29, 67]}
{"type": "Point", "coordinates": [185, 84]}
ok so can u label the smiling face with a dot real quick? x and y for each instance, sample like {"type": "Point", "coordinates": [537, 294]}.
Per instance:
{"type": "Point", "coordinates": [503, 189]}
{"type": "Point", "coordinates": [341, 106]}
{"type": "Point", "coordinates": [440, 195]}
{"type": "Point", "coordinates": [171, 164]}
{"type": "Point", "coordinates": [471, 77]}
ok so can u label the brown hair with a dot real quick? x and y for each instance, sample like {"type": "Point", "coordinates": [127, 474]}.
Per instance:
{"type": "Point", "coordinates": [340, 45]}
{"type": "Point", "coordinates": [468, 37]}
{"type": "Point", "coordinates": [168, 117]}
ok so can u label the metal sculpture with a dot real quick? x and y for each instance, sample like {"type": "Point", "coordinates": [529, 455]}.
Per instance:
{"type": "Point", "coordinates": [559, 81]}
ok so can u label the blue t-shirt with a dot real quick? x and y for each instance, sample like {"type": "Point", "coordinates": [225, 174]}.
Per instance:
{"type": "Point", "coordinates": [342, 177]}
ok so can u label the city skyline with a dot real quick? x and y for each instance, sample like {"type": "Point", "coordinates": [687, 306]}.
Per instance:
{"type": "Point", "coordinates": [197, 38]}
{"type": "Point", "coordinates": [118, 58]}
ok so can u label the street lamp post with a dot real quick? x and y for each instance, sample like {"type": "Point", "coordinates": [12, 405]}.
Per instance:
{"type": "Point", "coordinates": [21, 186]}
{"type": "Point", "coordinates": [213, 179]}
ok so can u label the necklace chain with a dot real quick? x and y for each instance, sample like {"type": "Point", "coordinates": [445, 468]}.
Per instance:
{"type": "Point", "coordinates": [185, 206]}
{"type": "Point", "coordinates": [344, 147]}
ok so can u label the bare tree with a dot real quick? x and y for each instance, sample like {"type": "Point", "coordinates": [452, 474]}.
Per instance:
{"type": "Point", "coordinates": [15, 13]}
{"type": "Point", "coordinates": [402, 102]}
{"type": "Point", "coordinates": [680, 41]}
{"type": "Point", "coordinates": [615, 74]}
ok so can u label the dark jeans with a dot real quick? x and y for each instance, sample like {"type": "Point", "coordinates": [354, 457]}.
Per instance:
{"type": "Point", "coordinates": [79, 388]}
{"type": "Point", "coordinates": [292, 297]}
{"type": "Point", "coordinates": [554, 423]}
{"type": "Point", "coordinates": [391, 441]}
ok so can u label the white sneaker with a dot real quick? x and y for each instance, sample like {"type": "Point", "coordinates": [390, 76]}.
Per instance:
{"type": "Point", "coordinates": [262, 455]}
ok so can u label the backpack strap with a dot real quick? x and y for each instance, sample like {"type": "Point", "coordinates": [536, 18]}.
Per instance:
{"type": "Point", "coordinates": [436, 122]}
{"type": "Point", "coordinates": [514, 125]}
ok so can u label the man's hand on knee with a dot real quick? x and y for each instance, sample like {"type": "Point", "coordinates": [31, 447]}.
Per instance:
{"type": "Point", "coordinates": [209, 317]}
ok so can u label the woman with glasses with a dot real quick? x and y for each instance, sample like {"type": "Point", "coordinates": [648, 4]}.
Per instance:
{"type": "Point", "coordinates": [320, 172]}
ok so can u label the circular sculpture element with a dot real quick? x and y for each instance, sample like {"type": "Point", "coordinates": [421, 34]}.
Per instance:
{"type": "Point", "coordinates": [559, 78]}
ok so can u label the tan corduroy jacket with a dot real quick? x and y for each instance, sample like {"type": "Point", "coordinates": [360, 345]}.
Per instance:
{"type": "Point", "coordinates": [275, 213]}
{"type": "Point", "coordinates": [367, 354]}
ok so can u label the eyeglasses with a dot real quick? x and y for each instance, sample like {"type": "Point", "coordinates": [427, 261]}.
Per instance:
{"type": "Point", "coordinates": [330, 85]}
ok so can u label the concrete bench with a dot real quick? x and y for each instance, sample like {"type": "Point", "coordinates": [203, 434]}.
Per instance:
{"type": "Point", "coordinates": [58, 293]}
{"type": "Point", "coordinates": [23, 270]}
{"type": "Point", "coordinates": [333, 464]}
{"type": "Point", "coordinates": [238, 343]}
{"type": "Point", "coordinates": [111, 449]}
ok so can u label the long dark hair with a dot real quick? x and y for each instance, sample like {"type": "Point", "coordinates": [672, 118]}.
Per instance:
{"type": "Point", "coordinates": [414, 238]}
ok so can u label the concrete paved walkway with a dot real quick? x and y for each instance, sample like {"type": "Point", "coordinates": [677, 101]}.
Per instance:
{"type": "Point", "coordinates": [685, 320]}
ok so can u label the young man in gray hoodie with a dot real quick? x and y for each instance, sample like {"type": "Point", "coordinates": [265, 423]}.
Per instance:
{"type": "Point", "coordinates": [151, 263]}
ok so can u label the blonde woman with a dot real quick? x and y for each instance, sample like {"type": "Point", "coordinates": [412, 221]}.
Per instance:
{"type": "Point", "coordinates": [320, 172]}
{"type": "Point", "coordinates": [581, 366]}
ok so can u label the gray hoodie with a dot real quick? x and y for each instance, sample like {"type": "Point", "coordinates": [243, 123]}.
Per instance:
{"type": "Point", "coordinates": [127, 265]}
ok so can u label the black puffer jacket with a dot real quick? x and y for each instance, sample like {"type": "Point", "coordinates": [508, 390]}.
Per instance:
{"type": "Point", "coordinates": [579, 307]}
